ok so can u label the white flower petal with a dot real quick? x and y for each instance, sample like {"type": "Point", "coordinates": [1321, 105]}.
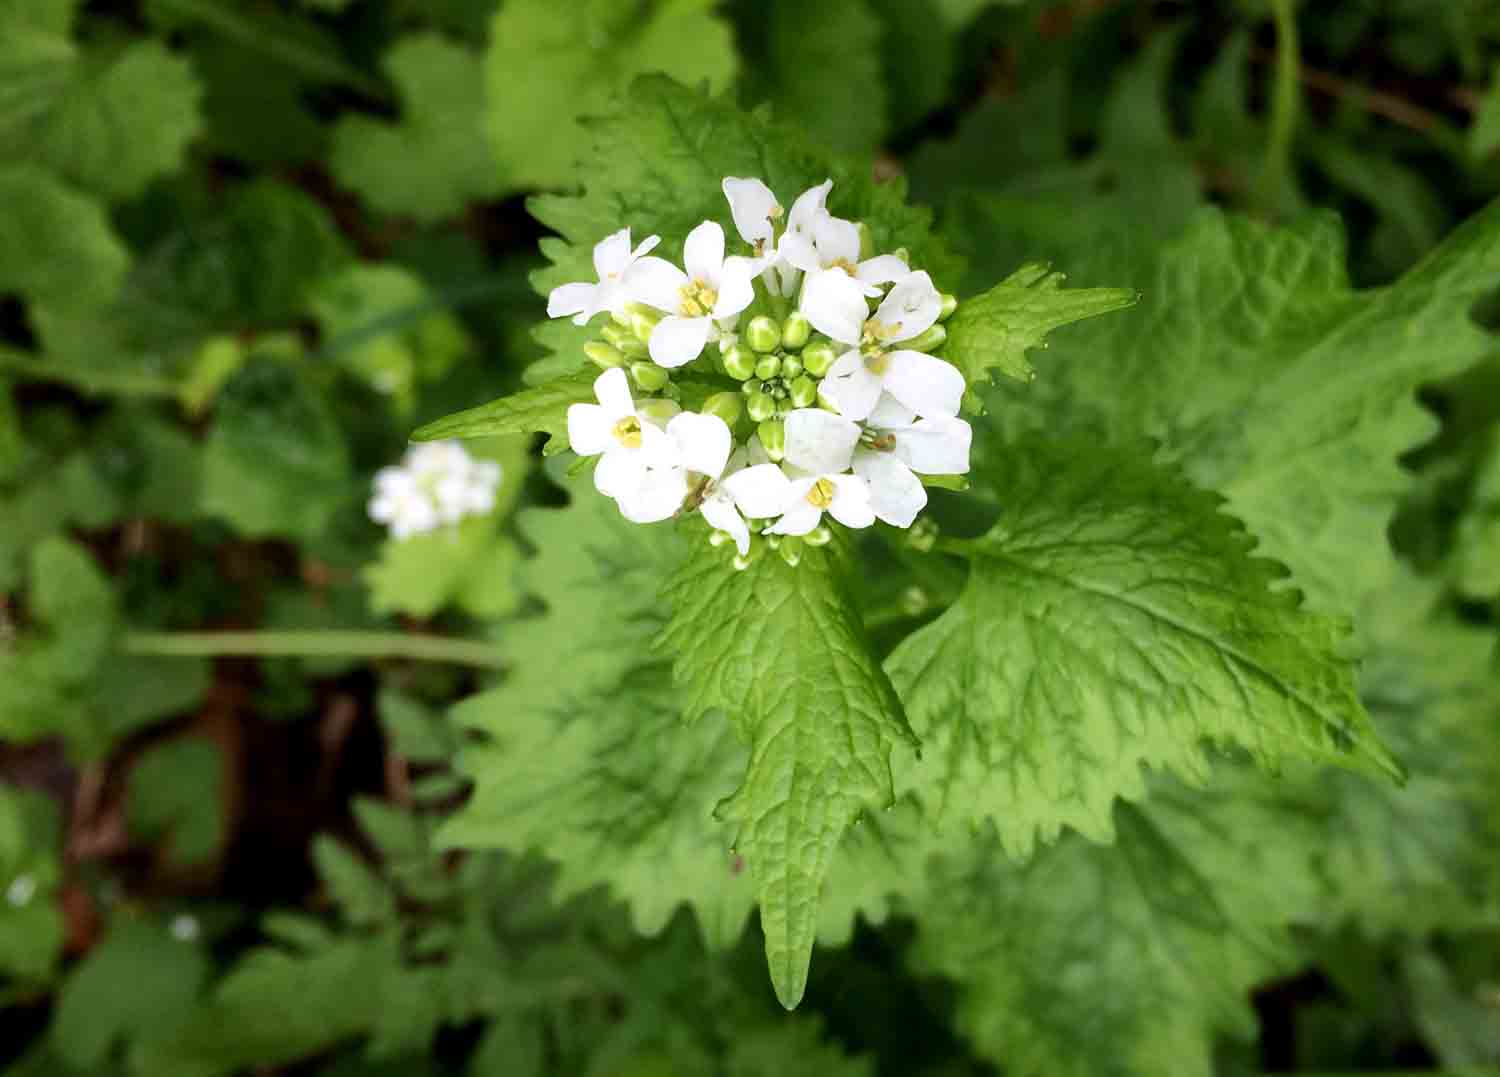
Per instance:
{"type": "Point", "coordinates": [911, 308]}
{"type": "Point", "coordinates": [736, 286]}
{"type": "Point", "coordinates": [797, 250]}
{"type": "Point", "coordinates": [676, 340]}
{"type": "Point", "coordinates": [590, 429]}
{"type": "Point", "coordinates": [752, 204]}
{"type": "Point", "coordinates": [835, 304]}
{"type": "Point", "coordinates": [619, 473]}
{"type": "Point", "coordinates": [612, 390]}
{"type": "Point", "coordinates": [851, 501]}
{"type": "Point", "coordinates": [851, 386]}
{"type": "Point", "coordinates": [936, 446]}
{"type": "Point", "coordinates": [800, 518]}
{"type": "Point", "coordinates": [657, 283]}
{"type": "Point", "coordinates": [896, 495]}
{"type": "Point", "coordinates": [882, 269]}
{"type": "Point", "coordinates": [837, 239]}
{"type": "Point", "coordinates": [703, 442]}
{"type": "Point", "coordinates": [820, 441]}
{"type": "Point", "coordinates": [576, 298]}
{"type": "Point", "coordinates": [810, 205]}
{"type": "Point", "coordinates": [612, 254]}
{"type": "Point", "coordinates": [703, 253]}
{"type": "Point", "coordinates": [645, 247]}
{"type": "Point", "coordinates": [761, 491]}
{"type": "Point", "coordinates": [721, 515]}
{"type": "Point", "coordinates": [659, 495]}
{"type": "Point", "coordinates": [924, 383]}
{"type": "Point", "coordinates": [890, 413]}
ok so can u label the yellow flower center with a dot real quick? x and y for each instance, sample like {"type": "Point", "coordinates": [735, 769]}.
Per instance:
{"type": "Point", "coordinates": [698, 299]}
{"type": "Point", "coordinates": [628, 432]}
{"type": "Point", "coordinates": [821, 494]}
{"type": "Point", "coordinates": [846, 265]}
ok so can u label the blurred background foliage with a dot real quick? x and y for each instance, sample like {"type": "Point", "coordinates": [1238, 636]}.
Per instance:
{"type": "Point", "coordinates": [247, 245]}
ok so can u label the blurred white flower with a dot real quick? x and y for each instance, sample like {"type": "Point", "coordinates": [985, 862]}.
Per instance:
{"type": "Point", "coordinates": [437, 483]}
{"type": "Point", "coordinates": [613, 258]}
{"type": "Point", "coordinates": [21, 890]}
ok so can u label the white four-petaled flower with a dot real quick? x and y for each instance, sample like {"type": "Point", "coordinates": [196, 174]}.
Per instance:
{"type": "Point", "coordinates": [637, 456]}
{"type": "Point", "coordinates": [835, 304]}
{"type": "Point", "coordinates": [896, 447]}
{"type": "Point", "coordinates": [613, 260]}
{"type": "Point", "coordinates": [713, 289]}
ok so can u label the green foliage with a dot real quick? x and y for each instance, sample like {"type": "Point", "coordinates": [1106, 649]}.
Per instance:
{"type": "Point", "coordinates": [108, 120]}
{"type": "Point", "coordinates": [821, 67]}
{"type": "Point", "coordinates": [550, 65]}
{"type": "Point", "coordinates": [819, 714]}
{"type": "Point", "coordinates": [174, 795]}
{"type": "Point", "coordinates": [276, 461]}
{"type": "Point", "coordinates": [994, 330]}
{"type": "Point", "coordinates": [393, 167]}
{"type": "Point", "coordinates": [543, 409]}
{"type": "Point", "coordinates": [31, 924]}
{"type": "Point", "coordinates": [1130, 958]}
{"type": "Point", "coordinates": [1114, 617]}
{"type": "Point", "coordinates": [378, 322]}
{"type": "Point", "coordinates": [138, 983]}
{"type": "Point", "coordinates": [1088, 774]}
{"type": "Point", "coordinates": [64, 677]}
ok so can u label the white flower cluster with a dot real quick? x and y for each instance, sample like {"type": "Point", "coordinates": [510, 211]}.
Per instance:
{"type": "Point", "coordinates": [839, 407]}
{"type": "Point", "coordinates": [437, 484]}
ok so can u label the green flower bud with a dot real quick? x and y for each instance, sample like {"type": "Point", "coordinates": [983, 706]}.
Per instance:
{"type": "Point", "coordinates": [791, 366]}
{"type": "Point", "coordinates": [763, 334]}
{"type": "Point", "coordinates": [768, 368]}
{"type": "Point", "coordinates": [643, 322]}
{"type": "Point", "coordinates": [741, 562]}
{"type": "Point", "coordinates": [621, 319]}
{"type": "Point", "coordinates": [950, 304]}
{"type": "Point", "coordinates": [818, 536]}
{"type": "Point", "coordinates": [922, 536]}
{"type": "Point", "coordinates": [659, 412]}
{"type": "Point", "coordinates": [773, 438]}
{"type": "Point", "coordinates": [739, 362]}
{"type": "Point", "coordinates": [726, 406]}
{"type": "Point", "coordinates": [804, 392]}
{"type": "Point", "coordinates": [751, 386]}
{"type": "Point", "coordinates": [717, 539]}
{"type": "Point", "coordinates": [649, 376]}
{"type": "Point", "coordinates": [623, 341]}
{"type": "Point", "coordinates": [760, 406]}
{"type": "Point", "coordinates": [795, 331]}
{"type": "Point", "coordinates": [791, 551]}
{"type": "Point", "coordinates": [914, 601]}
{"type": "Point", "coordinates": [930, 340]}
{"type": "Point", "coordinates": [602, 355]}
{"type": "Point", "coordinates": [818, 357]}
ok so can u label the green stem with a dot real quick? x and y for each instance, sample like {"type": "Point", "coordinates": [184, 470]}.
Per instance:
{"type": "Point", "coordinates": [98, 382]}
{"type": "Point", "coordinates": [1285, 104]}
{"type": "Point", "coordinates": [315, 644]}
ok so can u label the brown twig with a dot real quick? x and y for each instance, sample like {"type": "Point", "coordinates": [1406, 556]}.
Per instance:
{"type": "Point", "coordinates": [1388, 106]}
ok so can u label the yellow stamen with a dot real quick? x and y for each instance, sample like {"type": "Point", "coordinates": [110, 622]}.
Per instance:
{"type": "Point", "coordinates": [821, 494]}
{"type": "Point", "coordinates": [697, 299]}
{"type": "Point", "coordinates": [846, 265]}
{"type": "Point", "coordinates": [628, 432]}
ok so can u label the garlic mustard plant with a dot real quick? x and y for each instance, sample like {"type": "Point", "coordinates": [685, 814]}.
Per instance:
{"type": "Point", "coordinates": [836, 386]}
